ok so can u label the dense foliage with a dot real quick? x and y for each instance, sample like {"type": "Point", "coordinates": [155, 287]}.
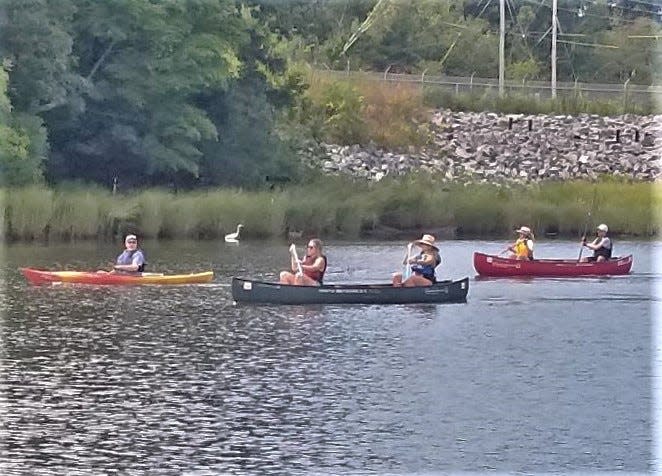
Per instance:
{"type": "Point", "coordinates": [139, 92]}
{"type": "Point", "coordinates": [190, 93]}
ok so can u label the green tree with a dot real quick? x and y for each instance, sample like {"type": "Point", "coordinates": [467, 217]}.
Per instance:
{"type": "Point", "coordinates": [36, 38]}
{"type": "Point", "coordinates": [145, 64]}
{"type": "Point", "coordinates": [633, 55]}
{"type": "Point", "coordinates": [22, 142]}
{"type": "Point", "coordinates": [250, 145]}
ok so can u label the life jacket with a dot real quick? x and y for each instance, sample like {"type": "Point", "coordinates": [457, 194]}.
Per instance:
{"type": "Point", "coordinates": [427, 270]}
{"type": "Point", "coordinates": [521, 248]}
{"type": "Point", "coordinates": [127, 258]}
{"type": "Point", "coordinates": [313, 273]}
{"type": "Point", "coordinates": [603, 251]}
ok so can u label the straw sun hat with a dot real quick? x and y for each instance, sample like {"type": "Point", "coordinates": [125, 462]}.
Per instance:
{"type": "Point", "coordinates": [526, 230]}
{"type": "Point", "coordinates": [427, 240]}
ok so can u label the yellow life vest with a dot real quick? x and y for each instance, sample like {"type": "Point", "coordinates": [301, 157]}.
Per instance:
{"type": "Point", "coordinates": [521, 249]}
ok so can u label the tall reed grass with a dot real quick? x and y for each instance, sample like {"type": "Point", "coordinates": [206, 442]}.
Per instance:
{"type": "Point", "coordinates": [335, 207]}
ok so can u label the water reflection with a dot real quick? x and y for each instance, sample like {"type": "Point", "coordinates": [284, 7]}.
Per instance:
{"type": "Point", "coordinates": [536, 376]}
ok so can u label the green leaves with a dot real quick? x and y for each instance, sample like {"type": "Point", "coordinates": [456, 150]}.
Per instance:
{"type": "Point", "coordinates": [38, 42]}
{"type": "Point", "coordinates": [22, 141]}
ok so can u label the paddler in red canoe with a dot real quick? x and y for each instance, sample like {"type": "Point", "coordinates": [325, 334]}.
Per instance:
{"type": "Point", "coordinates": [601, 246]}
{"type": "Point", "coordinates": [522, 249]}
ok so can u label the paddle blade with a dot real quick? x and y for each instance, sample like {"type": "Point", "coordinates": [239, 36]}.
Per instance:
{"type": "Point", "coordinates": [406, 270]}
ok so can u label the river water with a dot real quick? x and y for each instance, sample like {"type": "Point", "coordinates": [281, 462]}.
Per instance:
{"type": "Point", "coordinates": [529, 376]}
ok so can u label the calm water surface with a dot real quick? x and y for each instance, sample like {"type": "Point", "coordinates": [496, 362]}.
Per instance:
{"type": "Point", "coordinates": [529, 376]}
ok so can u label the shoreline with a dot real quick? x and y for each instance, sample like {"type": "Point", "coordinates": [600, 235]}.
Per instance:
{"type": "Point", "coordinates": [336, 208]}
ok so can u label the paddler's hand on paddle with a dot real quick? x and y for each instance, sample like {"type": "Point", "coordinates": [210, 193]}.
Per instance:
{"type": "Point", "coordinates": [296, 263]}
{"type": "Point", "coordinates": [407, 259]}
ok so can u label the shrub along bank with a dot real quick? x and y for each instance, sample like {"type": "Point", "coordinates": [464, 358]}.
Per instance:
{"type": "Point", "coordinates": [334, 207]}
{"type": "Point", "coordinates": [357, 110]}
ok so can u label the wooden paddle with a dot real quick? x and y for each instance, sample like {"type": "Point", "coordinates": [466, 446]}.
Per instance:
{"type": "Point", "coordinates": [581, 247]}
{"type": "Point", "coordinates": [295, 257]}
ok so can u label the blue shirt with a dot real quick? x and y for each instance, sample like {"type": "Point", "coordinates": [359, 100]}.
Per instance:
{"type": "Point", "coordinates": [132, 257]}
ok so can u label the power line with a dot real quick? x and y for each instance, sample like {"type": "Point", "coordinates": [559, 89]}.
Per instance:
{"type": "Point", "coordinates": [576, 11]}
{"type": "Point", "coordinates": [593, 45]}
{"type": "Point", "coordinates": [616, 6]}
{"type": "Point", "coordinates": [569, 55]}
{"type": "Point", "coordinates": [654, 4]}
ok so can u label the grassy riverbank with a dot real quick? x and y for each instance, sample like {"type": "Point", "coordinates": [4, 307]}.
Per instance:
{"type": "Point", "coordinates": [333, 208]}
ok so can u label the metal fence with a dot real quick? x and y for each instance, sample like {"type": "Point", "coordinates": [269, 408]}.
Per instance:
{"type": "Point", "coordinates": [627, 92]}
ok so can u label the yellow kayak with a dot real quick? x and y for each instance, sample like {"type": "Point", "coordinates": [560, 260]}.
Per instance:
{"type": "Point", "coordinates": [36, 276]}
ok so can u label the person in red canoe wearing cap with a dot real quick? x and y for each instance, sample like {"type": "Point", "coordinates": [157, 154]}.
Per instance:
{"type": "Point", "coordinates": [601, 246]}
{"type": "Point", "coordinates": [423, 265]}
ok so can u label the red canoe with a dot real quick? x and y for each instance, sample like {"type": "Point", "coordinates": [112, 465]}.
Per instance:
{"type": "Point", "coordinates": [490, 265]}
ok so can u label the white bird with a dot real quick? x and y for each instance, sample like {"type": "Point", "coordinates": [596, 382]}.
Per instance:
{"type": "Point", "coordinates": [234, 237]}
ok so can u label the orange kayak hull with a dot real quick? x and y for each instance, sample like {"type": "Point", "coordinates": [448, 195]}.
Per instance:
{"type": "Point", "coordinates": [39, 277]}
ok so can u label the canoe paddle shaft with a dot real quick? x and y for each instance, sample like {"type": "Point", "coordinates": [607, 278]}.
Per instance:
{"type": "Point", "coordinates": [406, 272]}
{"type": "Point", "coordinates": [293, 252]}
{"type": "Point", "coordinates": [581, 247]}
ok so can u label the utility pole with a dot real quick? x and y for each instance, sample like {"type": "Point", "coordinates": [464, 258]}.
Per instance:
{"type": "Point", "coordinates": [554, 24]}
{"type": "Point", "coordinates": [502, 44]}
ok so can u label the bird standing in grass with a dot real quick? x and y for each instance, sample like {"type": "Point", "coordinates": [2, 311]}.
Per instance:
{"type": "Point", "coordinates": [234, 237]}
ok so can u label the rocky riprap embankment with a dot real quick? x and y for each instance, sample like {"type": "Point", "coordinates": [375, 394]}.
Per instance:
{"type": "Point", "coordinates": [489, 147]}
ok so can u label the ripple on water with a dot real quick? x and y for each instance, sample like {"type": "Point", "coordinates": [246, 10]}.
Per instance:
{"type": "Point", "coordinates": [542, 376]}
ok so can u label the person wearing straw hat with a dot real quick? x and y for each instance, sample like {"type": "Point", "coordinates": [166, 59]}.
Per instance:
{"type": "Point", "coordinates": [601, 246]}
{"type": "Point", "coordinates": [422, 265]}
{"type": "Point", "coordinates": [522, 249]}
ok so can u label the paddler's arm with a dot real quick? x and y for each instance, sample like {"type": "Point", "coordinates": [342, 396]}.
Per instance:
{"type": "Point", "coordinates": [126, 267]}
{"type": "Point", "coordinates": [424, 259]}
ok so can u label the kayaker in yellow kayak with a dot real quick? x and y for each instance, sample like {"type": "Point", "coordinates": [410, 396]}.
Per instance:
{"type": "Point", "coordinates": [132, 260]}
